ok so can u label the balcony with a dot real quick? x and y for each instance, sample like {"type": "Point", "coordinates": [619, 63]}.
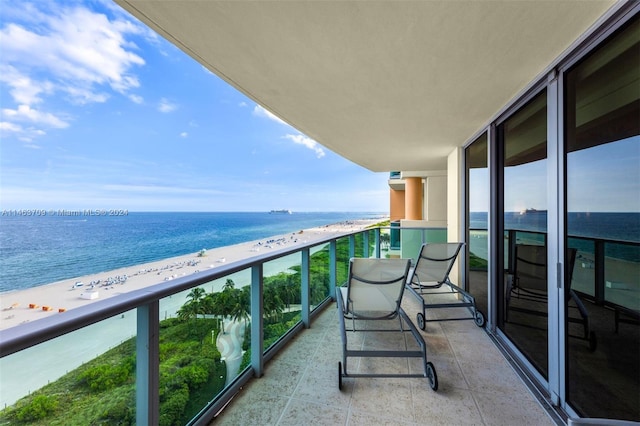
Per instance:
{"type": "Point", "coordinates": [286, 379]}
{"type": "Point", "coordinates": [477, 385]}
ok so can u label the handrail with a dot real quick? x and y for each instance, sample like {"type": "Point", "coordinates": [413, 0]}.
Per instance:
{"type": "Point", "coordinates": [16, 339]}
{"type": "Point", "coordinates": [146, 302]}
{"type": "Point", "coordinates": [29, 334]}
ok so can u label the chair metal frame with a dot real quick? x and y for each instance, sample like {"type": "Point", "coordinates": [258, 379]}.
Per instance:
{"type": "Point", "coordinates": [371, 279]}
{"type": "Point", "coordinates": [430, 272]}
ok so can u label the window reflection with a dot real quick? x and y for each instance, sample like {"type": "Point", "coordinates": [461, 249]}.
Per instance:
{"type": "Point", "coordinates": [523, 317]}
{"type": "Point", "coordinates": [477, 248]}
{"type": "Point", "coordinates": [603, 225]}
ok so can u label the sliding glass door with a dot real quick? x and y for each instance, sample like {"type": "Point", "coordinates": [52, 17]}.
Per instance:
{"type": "Point", "coordinates": [477, 247]}
{"type": "Point", "coordinates": [522, 291]}
{"type": "Point", "coordinates": [602, 223]}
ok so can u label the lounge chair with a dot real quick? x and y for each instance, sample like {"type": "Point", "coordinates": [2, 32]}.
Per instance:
{"type": "Point", "coordinates": [370, 303]}
{"type": "Point", "coordinates": [431, 272]}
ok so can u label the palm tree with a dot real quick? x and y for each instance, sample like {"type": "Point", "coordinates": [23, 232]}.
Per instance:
{"type": "Point", "coordinates": [273, 305]}
{"type": "Point", "coordinates": [229, 285]}
{"type": "Point", "coordinates": [241, 309]}
{"type": "Point", "coordinates": [196, 295]}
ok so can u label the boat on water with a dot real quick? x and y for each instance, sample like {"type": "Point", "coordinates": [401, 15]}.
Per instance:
{"type": "Point", "coordinates": [283, 211]}
{"type": "Point", "coordinates": [532, 211]}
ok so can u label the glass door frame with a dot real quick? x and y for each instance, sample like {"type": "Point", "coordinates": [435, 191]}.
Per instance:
{"type": "Point", "coordinates": [591, 42]}
{"type": "Point", "coordinates": [552, 80]}
{"type": "Point", "coordinates": [496, 242]}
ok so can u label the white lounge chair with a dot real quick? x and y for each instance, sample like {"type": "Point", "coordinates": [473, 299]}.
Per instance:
{"type": "Point", "coordinates": [374, 292]}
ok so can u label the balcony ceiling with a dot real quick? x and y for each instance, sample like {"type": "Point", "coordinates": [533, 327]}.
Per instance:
{"type": "Point", "coordinates": [389, 85]}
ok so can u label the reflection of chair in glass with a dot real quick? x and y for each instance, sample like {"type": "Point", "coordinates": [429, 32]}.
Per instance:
{"type": "Point", "coordinates": [528, 284]}
{"type": "Point", "coordinates": [373, 293]}
{"type": "Point", "coordinates": [431, 271]}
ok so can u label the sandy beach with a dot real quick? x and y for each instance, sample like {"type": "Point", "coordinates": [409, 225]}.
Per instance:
{"type": "Point", "coordinates": [56, 357]}
{"type": "Point", "coordinates": [20, 306]}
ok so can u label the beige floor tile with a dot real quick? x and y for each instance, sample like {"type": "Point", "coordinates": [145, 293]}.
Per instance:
{"type": "Point", "coordinates": [514, 409]}
{"type": "Point", "coordinates": [254, 407]}
{"type": "Point", "coordinates": [383, 397]}
{"type": "Point", "coordinates": [302, 412]}
{"type": "Point", "coordinates": [447, 406]}
{"type": "Point", "coordinates": [300, 385]}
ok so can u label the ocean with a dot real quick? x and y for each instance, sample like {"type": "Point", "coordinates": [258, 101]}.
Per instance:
{"type": "Point", "coordinates": [42, 249]}
{"type": "Point", "coordinates": [606, 226]}
{"type": "Point", "coordinates": [37, 250]}
{"type": "Point", "coordinates": [583, 228]}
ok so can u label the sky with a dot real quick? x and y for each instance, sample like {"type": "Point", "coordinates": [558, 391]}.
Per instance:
{"type": "Point", "coordinates": [99, 112]}
{"type": "Point", "coordinates": [604, 178]}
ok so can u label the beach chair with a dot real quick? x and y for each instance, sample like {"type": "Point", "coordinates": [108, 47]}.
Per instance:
{"type": "Point", "coordinates": [430, 273]}
{"type": "Point", "coordinates": [370, 303]}
{"type": "Point", "coordinates": [527, 283]}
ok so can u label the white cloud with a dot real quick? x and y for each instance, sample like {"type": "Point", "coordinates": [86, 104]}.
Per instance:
{"type": "Point", "coordinates": [166, 106]}
{"type": "Point", "coordinates": [75, 44]}
{"type": "Point", "coordinates": [24, 134]}
{"type": "Point", "coordinates": [259, 111]}
{"type": "Point", "coordinates": [307, 142]}
{"type": "Point", "coordinates": [5, 126]}
{"type": "Point", "coordinates": [84, 95]}
{"type": "Point", "coordinates": [26, 113]}
{"type": "Point", "coordinates": [136, 99]}
{"type": "Point", "coordinates": [184, 135]}
{"type": "Point", "coordinates": [50, 49]}
{"type": "Point", "coordinates": [22, 88]}
{"type": "Point", "coordinates": [298, 139]}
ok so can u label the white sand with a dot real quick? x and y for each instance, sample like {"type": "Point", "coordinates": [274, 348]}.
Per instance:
{"type": "Point", "coordinates": [65, 295]}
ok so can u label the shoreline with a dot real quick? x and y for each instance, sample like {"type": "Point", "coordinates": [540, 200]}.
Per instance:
{"type": "Point", "coordinates": [21, 306]}
{"type": "Point", "coordinates": [58, 356]}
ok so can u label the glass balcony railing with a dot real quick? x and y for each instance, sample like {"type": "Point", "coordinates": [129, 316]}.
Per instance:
{"type": "Point", "coordinates": [175, 352]}
{"type": "Point", "coordinates": [406, 241]}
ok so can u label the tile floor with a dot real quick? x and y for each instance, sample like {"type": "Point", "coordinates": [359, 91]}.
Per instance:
{"type": "Point", "coordinates": [477, 386]}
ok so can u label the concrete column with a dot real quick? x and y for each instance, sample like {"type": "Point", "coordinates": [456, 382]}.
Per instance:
{"type": "Point", "coordinates": [413, 198]}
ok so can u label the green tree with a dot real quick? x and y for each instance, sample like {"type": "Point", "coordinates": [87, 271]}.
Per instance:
{"type": "Point", "coordinates": [195, 296]}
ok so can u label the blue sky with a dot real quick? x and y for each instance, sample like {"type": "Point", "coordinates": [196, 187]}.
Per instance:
{"type": "Point", "coordinates": [604, 178]}
{"type": "Point", "coordinates": [99, 112]}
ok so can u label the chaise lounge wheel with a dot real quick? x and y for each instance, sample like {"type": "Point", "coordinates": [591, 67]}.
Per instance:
{"type": "Point", "coordinates": [593, 341]}
{"type": "Point", "coordinates": [432, 376]}
{"type": "Point", "coordinates": [339, 375]}
{"type": "Point", "coordinates": [421, 322]}
{"type": "Point", "coordinates": [479, 319]}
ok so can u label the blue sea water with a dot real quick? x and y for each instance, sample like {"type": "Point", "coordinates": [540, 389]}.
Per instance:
{"type": "Point", "coordinates": [607, 226]}
{"type": "Point", "coordinates": [582, 228]}
{"type": "Point", "coordinates": [37, 250]}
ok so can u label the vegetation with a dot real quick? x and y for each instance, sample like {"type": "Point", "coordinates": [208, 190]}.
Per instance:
{"type": "Point", "coordinates": [102, 391]}
{"type": "Point", "coordinates": [384, 223]}
{"type": "Point", "coordinates": [477, 263]}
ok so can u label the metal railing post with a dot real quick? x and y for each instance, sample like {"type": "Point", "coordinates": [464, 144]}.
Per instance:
{"type": "Point", "coordinates": [333, 271]}
{"type": "Point", "coordinates": [257, 321]}
{"type": "Point", "coordinates": [148, 364]}
{"type": "Point", "coordinates": [365, 244]}
{"type": "Point", "coordinates": [599, 265]}
{"type": "Point", "coordinates": [306, 288]}
{"type": "Point", "coordinates": [352, 245]}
